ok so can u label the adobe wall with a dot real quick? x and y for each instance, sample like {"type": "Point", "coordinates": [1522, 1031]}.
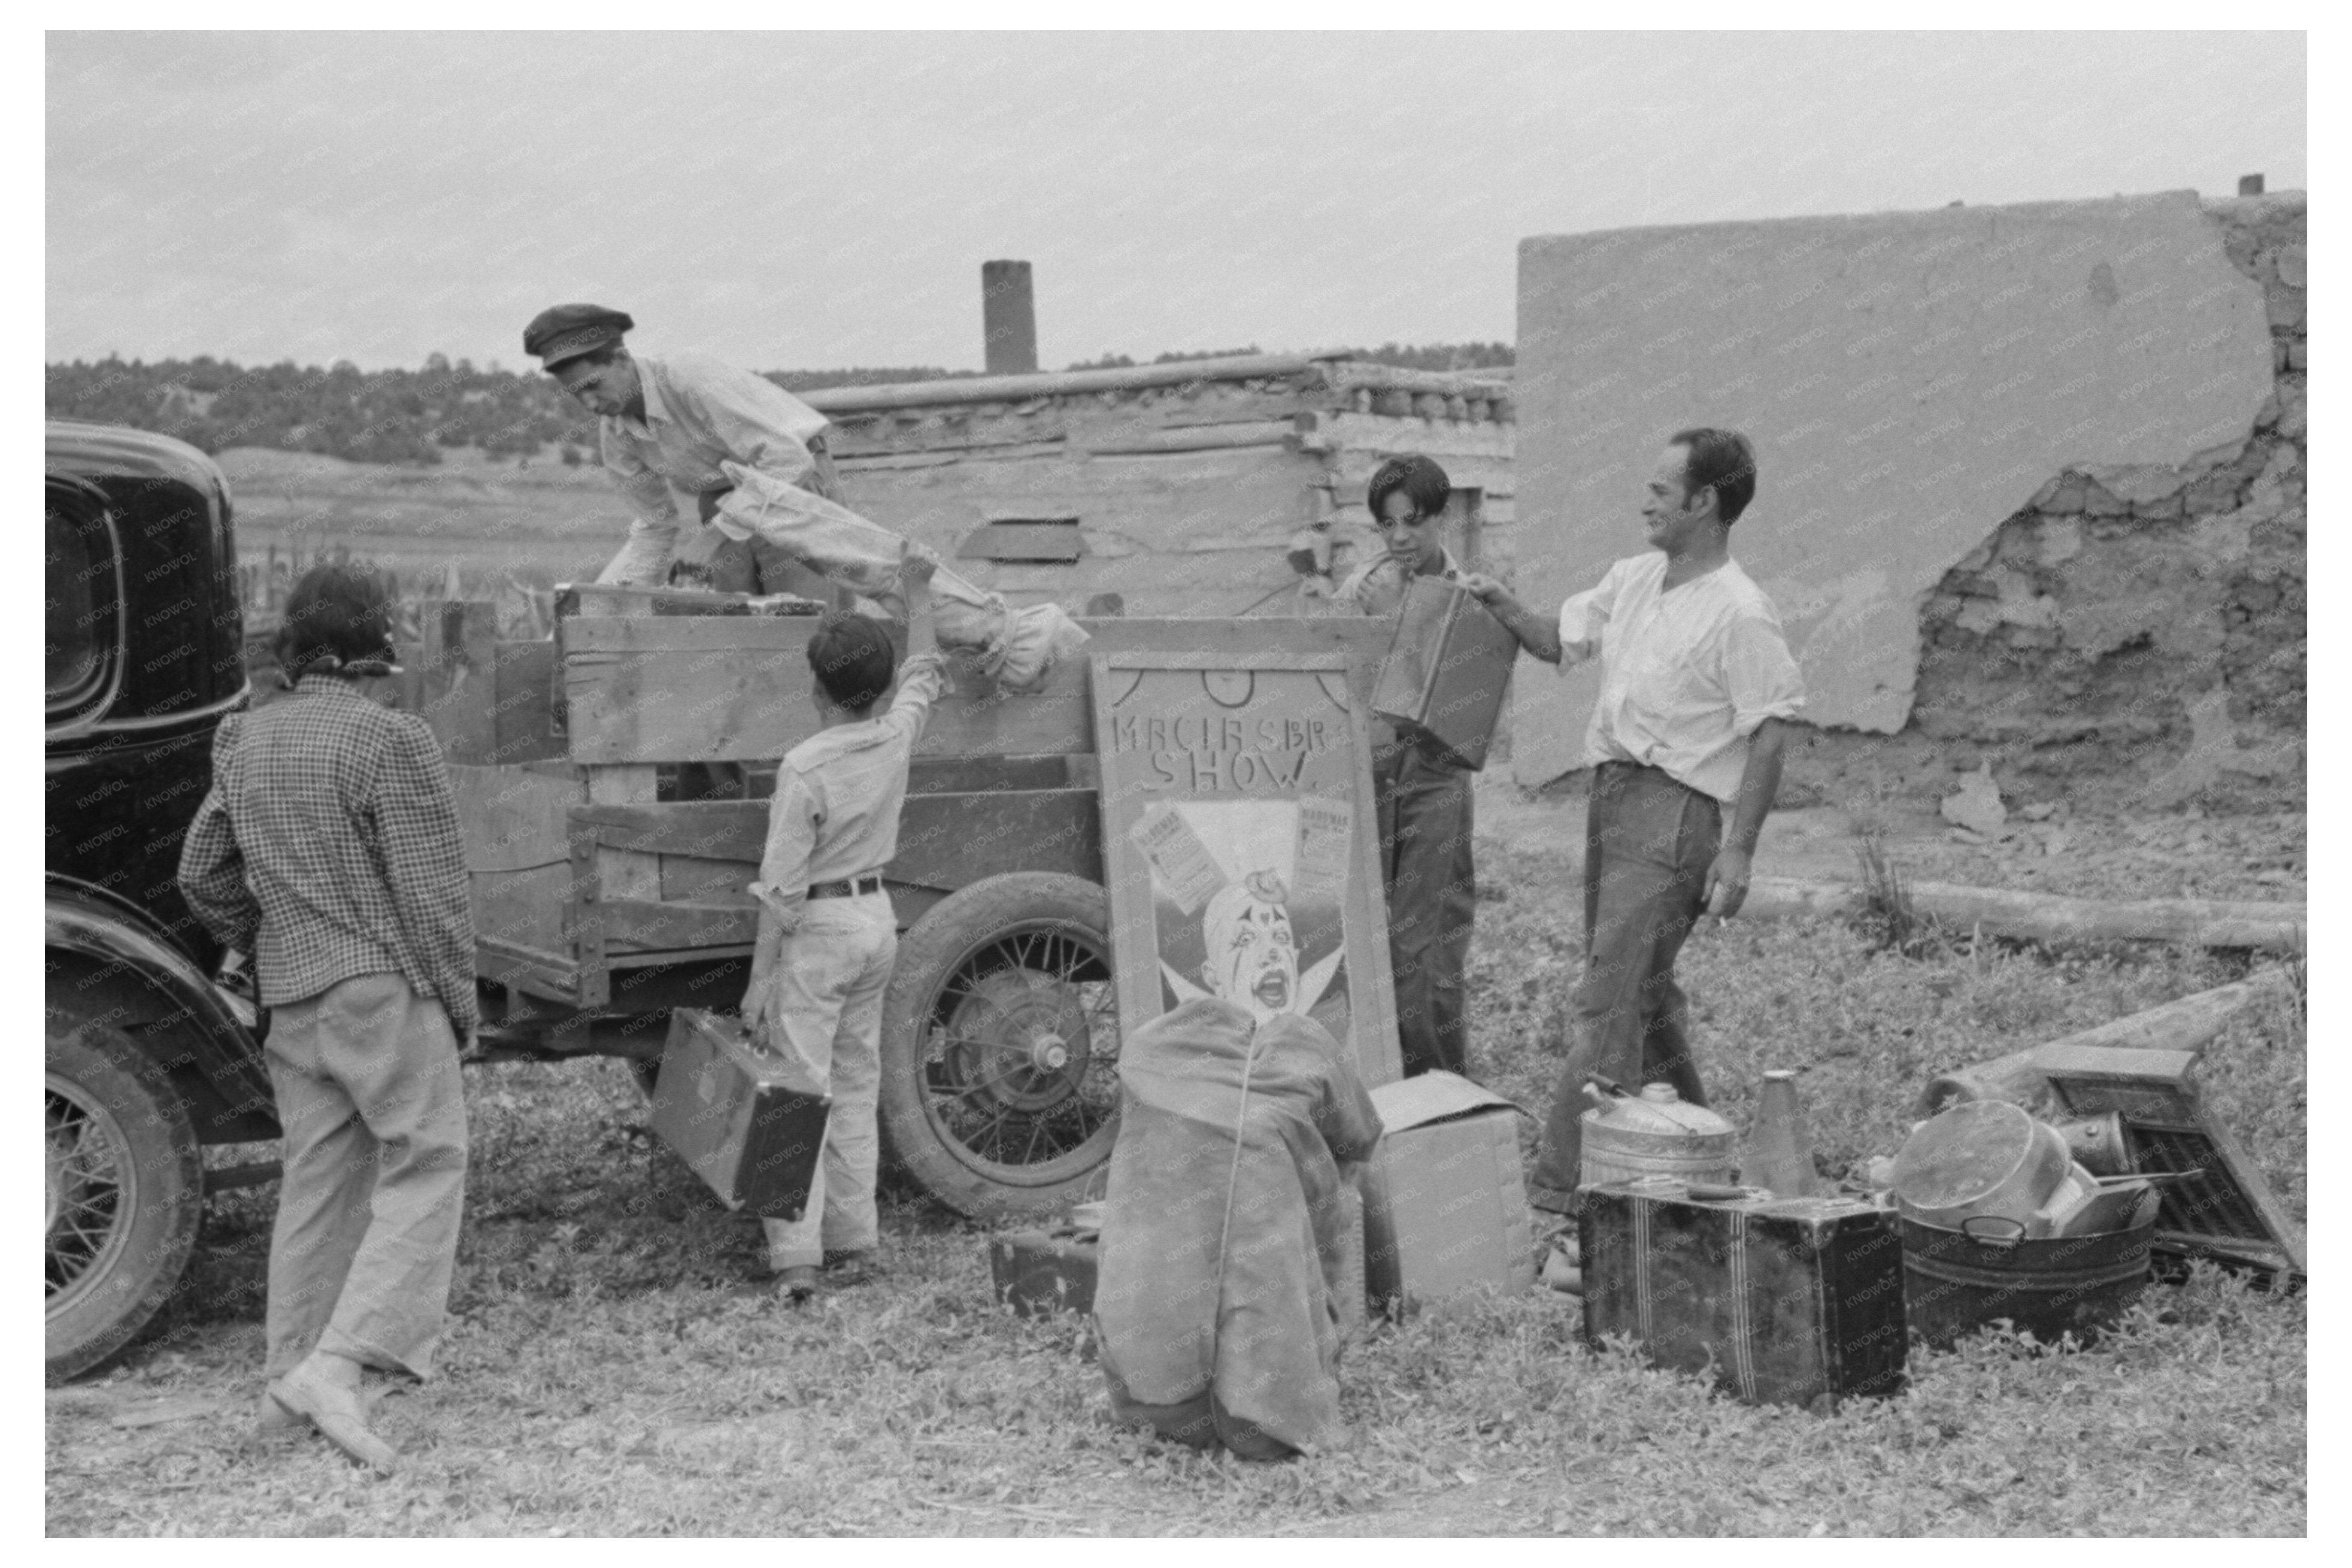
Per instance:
{"type": "Point", "coordinates": [2147, 624]}
{"type": "Point", "coordinates": [2032, 477]}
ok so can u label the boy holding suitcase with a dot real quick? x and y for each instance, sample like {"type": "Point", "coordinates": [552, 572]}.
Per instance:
{"type": "Point", "coordinates": [828, 936]}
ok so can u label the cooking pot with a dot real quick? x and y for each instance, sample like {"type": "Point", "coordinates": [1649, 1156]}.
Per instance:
{"type": "Point", "coordinates": [1984, 1158]}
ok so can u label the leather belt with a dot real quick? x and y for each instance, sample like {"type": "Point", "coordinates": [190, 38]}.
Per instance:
{"type": "Point", "coordinates": [870, 882]}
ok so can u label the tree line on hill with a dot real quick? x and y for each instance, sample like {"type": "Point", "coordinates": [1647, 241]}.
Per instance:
{"type": "Point", "coordinates": [411, 416]}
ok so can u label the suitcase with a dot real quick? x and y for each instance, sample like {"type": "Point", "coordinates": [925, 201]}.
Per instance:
{"type": "Point", "coordinates": [1042, 1271]}
{"type": "Point", "coordinates": [1785, 1300]}
{"type": "Point", "coordinates": [1447, 670]}
{"type": "Point", "coordinates": [737, 1116]}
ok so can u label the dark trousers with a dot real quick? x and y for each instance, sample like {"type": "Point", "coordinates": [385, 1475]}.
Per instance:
{"type": "Point", "coordinates": [1425, 820]}
{"type": "Point", "coordinates": [1648, 841]}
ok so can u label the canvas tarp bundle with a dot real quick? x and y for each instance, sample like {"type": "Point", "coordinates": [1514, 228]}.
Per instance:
{"type": "Point", "coordinates": [1223, 1246]}
{"type": "Point", "coordinates": [1017, 647]}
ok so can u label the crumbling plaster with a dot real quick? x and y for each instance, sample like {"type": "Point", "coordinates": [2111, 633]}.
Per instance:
{"type": "Point", "coordinates": [2006, 454]}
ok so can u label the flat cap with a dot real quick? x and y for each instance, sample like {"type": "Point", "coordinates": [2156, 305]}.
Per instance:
{"type": "Point", "coordinates": [563, 332]}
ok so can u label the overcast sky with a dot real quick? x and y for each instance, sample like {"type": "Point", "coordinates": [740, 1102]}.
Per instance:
{"type": "Point", "coordinates": [806, 201]}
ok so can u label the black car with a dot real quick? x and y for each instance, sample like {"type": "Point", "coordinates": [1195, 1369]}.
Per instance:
{"type": "Point", "coordinates": [148, 1057]}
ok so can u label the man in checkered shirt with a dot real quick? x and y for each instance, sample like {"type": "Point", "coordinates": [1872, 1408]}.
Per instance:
{"type": "Point", "coordinates": [328, 848]}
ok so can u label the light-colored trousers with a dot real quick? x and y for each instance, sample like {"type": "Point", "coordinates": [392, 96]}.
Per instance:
{"type": "Point", "coordinates": [374, 1117]}
{"type": "Point", "coordinates": [827, 1010]}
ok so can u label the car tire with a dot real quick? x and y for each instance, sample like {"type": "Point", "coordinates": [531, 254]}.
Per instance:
{"type": "Point", "coordinates": [1000, 1047]}
{"type": "Point", "coordinates": [124, 1191]}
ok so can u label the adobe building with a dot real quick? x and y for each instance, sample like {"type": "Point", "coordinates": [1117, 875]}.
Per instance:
{"type": "Point", "coordinates": [1181, 488]}
{"type": "Point", "coordinates": [2030, 476]}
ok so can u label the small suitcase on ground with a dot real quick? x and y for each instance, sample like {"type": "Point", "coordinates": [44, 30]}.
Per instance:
{"type": "Point", "coordinates": [737, 1116]}
{"type": "Point", "coordinates": [1794, 1301]}
{"type": "Point", "coordinates": [1042, 1271]}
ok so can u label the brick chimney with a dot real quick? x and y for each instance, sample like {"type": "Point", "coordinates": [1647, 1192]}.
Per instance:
{"type": "Point", "coordinates": [1008, 317]}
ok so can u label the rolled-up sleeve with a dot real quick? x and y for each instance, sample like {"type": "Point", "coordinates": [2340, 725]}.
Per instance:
{"type": "Point", "coordinates": [1583, 618]}
{"type": "Point", "coordinates": [1760, 674]}
{"type": "Point", "coordinates": [212, 867]}
{"type": "Point", "coordinates": [921, 681]}
{"type": "Point", "coordinates": [653, 534]}
{"type": "Point", "coordinates": [793, 816]}
{"type": "Point", "coordinates": [424, 865]}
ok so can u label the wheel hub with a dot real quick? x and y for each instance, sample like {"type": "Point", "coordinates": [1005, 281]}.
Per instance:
{"type": "Point", "coordinates": [1020, 1039]}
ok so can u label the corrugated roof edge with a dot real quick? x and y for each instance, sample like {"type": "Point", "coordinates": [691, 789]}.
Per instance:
{"type": "Point", "coordinates": [1337, 374]}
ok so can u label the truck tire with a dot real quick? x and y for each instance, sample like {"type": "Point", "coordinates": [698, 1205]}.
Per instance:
{"type": "Point", "coordinates": [1000, 1047]}
{"type": "Point", "coordinates": [124, 1191]}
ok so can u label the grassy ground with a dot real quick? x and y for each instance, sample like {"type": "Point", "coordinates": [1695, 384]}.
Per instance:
{"type": "Point", "coordinates": [606, 1371]}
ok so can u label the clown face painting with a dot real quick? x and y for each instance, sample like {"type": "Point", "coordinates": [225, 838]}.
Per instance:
{"type": "Point", "coordinates": [1238, 830]}
{"type": "Point", "coordinates": [1251, 956]}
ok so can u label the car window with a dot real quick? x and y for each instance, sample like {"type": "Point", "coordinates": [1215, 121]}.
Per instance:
{"type": "Point", "coordinates": [82, 630]}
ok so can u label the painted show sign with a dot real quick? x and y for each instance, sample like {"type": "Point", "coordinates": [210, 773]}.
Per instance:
{"type": "Point", "coordinates": [1241, 843]}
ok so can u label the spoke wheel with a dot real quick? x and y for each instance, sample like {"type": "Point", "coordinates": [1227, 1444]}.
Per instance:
{"type": "Point", "coordinates": [999, 1045]}
{"type": "Point", "coordinates": [122, 1190]}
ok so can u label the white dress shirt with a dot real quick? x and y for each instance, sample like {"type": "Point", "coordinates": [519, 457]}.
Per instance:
{"type": "Point", "coordinates": [1687, 674]}
{"type": "Point", "coordinates": [699, 412]}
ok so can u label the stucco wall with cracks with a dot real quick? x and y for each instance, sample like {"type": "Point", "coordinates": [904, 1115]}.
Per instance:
{"type": "Point", "coordinates": [2148, 619]}
{"type": "Point", "coordinates": [2030, 476]}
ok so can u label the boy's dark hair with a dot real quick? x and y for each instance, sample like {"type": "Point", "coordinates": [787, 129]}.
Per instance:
{"type": "Point", "coordinates": [852, 659]}
{"type": "Point", "coordinates": [336, 617]}
{"type": "Point", "coordinates": [1424, 484]}
{"type": "Point", "coordinates": [1723, 458]}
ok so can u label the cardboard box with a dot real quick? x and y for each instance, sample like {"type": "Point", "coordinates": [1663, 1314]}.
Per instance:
{"type": "Point", "coordinates": [1446, 1209]}
{"type": "Point", "coordinates": [747, 1122]}
{"type": "Point", "coordinates": [1447, 670]}
{"type": "Point", "coordinates": [1784, 1301]}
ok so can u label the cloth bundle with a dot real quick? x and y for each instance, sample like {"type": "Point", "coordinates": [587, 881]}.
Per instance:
{"type": "Point", "coordinates": [1222, 1247]}
{"type": "Point", "coordinates": [1016, 648]}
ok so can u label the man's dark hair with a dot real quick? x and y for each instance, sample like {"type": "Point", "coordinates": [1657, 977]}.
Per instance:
{"type": "Point", "coordinates": [336, 616]}
{"type": "Point", "coordinates": [1424, 484]}
{"type": "Point", "coordinates": [1723, 458]}
{"type": "Point", "coordinates": [852, 659]}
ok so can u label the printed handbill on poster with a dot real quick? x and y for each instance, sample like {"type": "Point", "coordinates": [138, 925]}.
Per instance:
{"type": "Point", "coordinates": [1319, 868]}
{"type": "Point", "coordinates": [1185, 869]}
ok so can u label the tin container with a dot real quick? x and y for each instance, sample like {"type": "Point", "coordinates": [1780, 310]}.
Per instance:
{"type": "Point", "coordinates": [1985, 1157]}
{"type": "Point", "coordinates": [1657, 1133]}
{"type": "Point", "coordinates": [1957, 1281]}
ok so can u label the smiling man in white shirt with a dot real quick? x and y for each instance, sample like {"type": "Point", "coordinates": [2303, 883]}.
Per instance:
{"type": "Point", "coordinates": [1696, 681]}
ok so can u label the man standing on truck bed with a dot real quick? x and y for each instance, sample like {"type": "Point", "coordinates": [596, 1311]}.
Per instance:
{"type": "Point", "coordinates": [828, 936]}
{"type": "Point", "coordinates": [670, 422]}
{"type": "Point", "coordinates": [1422, 796]}
{"type": "Point", "coordinates": [328, 849]}
{"type": "Point", "coordinates": [1696, 679]}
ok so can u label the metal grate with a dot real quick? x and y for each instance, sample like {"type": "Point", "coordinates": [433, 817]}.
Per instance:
{"type": "Point", "coordinates": [2209, 1205]}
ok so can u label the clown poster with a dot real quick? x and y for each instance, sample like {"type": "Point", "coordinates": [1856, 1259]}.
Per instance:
{"type": "Point", "coordinates": [1239, 839]}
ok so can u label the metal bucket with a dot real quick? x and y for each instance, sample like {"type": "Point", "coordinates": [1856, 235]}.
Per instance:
{"type": "Point", "coordinates": [1657, 1134]}
{"type": "Point", "coordinates": [1957, 1281]}
{"type": "Point", "coordinates": [1985, 1157]}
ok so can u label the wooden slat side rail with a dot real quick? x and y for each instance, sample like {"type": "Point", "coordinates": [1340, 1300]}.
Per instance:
{"type": "Point", "coordinates": [713, 830]}
{"type": "Point", "coordinates": [456, 693]}
{"type": "Point", "coordinates": [527, 678]}
{"type": "Point", "coordinates": [950, 840]}
{"type": "Point", "coordinates": [651, 925]}
{"type": "Point", "coordinates": [946, 841]}
{"type": "Point", "coordinates": [644, 689]}
{"type": "Point", "coordinates": [549, 976]}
